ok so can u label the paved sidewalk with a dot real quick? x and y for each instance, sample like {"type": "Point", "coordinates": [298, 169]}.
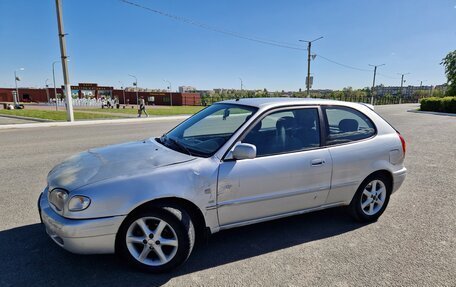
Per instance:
{"type": "Point", "coordinates": [108, 113]}
{"type": "Point", "coordinates": [12, 121]}
{"type": "Point", "coordinates": [32, 124]}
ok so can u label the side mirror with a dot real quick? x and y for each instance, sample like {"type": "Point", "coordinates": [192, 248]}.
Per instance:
{"type": "Point", "coordinates": [244, 151]}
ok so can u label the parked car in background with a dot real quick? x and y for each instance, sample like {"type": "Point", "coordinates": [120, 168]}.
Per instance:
{"type": "Point", "coordinates": [235, 163]}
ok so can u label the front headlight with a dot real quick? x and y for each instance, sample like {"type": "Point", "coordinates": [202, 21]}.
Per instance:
{"type": "Point", "coordinates": [78, 203]}
{"type": "Point", "coordinates": [57, 198]}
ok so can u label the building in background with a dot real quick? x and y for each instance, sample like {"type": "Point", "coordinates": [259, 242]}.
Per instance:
{"type": "Point", "coordinates": [186, 89]}
{"type": "Point", "coordinates": [28, 95]}
{"type": "Point", "coordinates": [159, 98]}
{"type": "Point", "coordinates": [94, 91]}
{"type": "Point", "coordinates": [407, 91]}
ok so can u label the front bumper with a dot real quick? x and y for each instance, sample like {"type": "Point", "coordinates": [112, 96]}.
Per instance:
{"type": "Point", "coordinates": [399, 178]}
{"type": "Point", "coordinates": [82, 236]}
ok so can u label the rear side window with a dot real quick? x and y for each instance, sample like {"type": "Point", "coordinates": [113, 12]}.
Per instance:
{"type": "Point", "coordinates": [346, 125]}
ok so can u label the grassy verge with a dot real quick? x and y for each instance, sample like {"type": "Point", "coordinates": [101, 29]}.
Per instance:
{"type": "Point", "coordinates": [151, 110]}
{"type": "Point", "coordinates": [54, 115]}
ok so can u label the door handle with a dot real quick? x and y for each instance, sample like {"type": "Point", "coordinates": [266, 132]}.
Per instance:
{"type": "Point", "coordinates": [318, 162]}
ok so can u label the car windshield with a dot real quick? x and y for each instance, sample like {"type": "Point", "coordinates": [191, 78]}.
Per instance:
{"type": "Point", "coordinates": [205, 132]}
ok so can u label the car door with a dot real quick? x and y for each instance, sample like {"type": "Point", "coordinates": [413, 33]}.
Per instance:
{"type": "Point", "coordinates": [291, 171]}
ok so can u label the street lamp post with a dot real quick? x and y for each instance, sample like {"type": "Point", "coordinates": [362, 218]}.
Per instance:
{"type": "Point", "coordinates": [421, 88]}
{"type": "Point", "coordinates": [55, 89]}
{"type": "Point", "coordinates": [47, 89]}
{"type": "Point", "coordinates": [16, 96]}
{"type": "Point", "coordinates": [123, 91]}
{"type": "Point", "coordinates": [170, 93]}
{"type": "Point", "coordinates": [64, 57]}
{"type": "Point", "coordinates": [309, 46]}
{"type": "Point", "coordinates": [373, 82]}
{"type": "Point", "coordinates": [421, 85]}
{"type": "Point", "coordinates": [136, 85]}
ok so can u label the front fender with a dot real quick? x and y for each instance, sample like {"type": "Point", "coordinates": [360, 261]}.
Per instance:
{"type": "Point", "coordinates": [195, 181]}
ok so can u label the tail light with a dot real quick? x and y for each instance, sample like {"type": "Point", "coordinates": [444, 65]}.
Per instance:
{"type": "Point", "coordinates": [404, 146]}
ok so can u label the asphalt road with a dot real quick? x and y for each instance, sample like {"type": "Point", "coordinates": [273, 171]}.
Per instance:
{"type": "Point", "coordinates": [413, 243]}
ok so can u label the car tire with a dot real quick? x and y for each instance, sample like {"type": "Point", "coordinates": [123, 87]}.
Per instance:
{"type": "Point", "coordinates": [169, 229]}
{"type": "Point", "coordinates": [371, 198]}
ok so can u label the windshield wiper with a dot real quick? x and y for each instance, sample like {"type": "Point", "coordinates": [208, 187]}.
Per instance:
{"type": "Point", "coordinates": [178, 144]}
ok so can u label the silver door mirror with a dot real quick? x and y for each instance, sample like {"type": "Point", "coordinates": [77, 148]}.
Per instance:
{"type": "Point", "coordinates": [244, 151]}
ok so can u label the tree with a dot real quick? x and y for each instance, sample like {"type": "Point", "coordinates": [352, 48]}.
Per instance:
{"type": "Point", "coordinates": [450, 70]}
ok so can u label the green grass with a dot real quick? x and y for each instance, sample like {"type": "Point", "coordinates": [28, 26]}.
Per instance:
{"type": "Point", "coordinates": [54, 115]}
{"type": "Point", "coordinates": [85, 114]}
{"type": "Point", "coordinates": [151, 110]}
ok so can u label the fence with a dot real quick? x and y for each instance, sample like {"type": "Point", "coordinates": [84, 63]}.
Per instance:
{"type": "Point", "coordinates": [377, 100]}
{"type": "Point", "coordinates": [82, 102]}
{"type": "Point", "coordinates": [387, 100]}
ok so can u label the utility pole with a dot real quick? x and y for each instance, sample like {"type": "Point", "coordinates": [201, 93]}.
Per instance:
{"type": "Point", "coordinates": [55, 89]}
{"type": "Point", "coordinates": [242, 84]}
{"type": "Point", "coordinates": [16, 97]}
{"type": "Point", "coordinates": [309, 46]}
{"type": "Point", "coordinates": [136, 85]}
{"type": "Point", "coordinates": [66, 78]}
{"type": "Point", "coordinates": [373, 83]}
{"type": "Point", "coordinates": [402, 84]}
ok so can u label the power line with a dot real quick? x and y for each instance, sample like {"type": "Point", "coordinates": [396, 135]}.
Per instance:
{"type": "Point", "coordinates": [344, 65]}
{"type": "Point", "coordinates": [386, 76]}
{"type": "Point", "coordinates": [244, 37]}
{"type": "Point", "coordinates": [226, 32]}
{"type": "Point", "coordinates": [355, 68]}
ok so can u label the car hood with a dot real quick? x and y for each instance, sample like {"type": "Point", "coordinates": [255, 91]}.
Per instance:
{"type": "Point", "coordinates": [123, 160]}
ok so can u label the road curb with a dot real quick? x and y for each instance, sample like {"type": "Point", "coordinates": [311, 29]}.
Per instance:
{"type": "Point", "coordinates": [25, 118]}
{"type": "Point", "coordinates": [91, 122]}
{"type": "Point", "coordinates": [432, 113]}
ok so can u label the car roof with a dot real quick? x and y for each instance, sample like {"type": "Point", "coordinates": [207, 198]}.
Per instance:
{"type": "Point", "coordinates": [278, 102]}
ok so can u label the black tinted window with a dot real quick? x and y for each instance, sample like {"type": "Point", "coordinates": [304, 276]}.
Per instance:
{"type": "Point", "coordinates": [346, 125]}
{"type": "Point", "coordinates": [285, 131]}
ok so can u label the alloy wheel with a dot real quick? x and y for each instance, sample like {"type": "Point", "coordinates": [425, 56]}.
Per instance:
{"type": "Point", "coordinates": [373, 197]}
{"type": "Point", "coordinates": [151, 241]}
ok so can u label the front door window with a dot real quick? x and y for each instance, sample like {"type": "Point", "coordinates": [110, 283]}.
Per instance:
{"type": "Point", "coordinates": [285, 131]}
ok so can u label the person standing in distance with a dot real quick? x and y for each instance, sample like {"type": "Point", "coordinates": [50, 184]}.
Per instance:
{"type": "Point", "coordinates": [142, 108]}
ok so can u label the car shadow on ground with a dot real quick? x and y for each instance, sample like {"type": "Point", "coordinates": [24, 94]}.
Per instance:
{"type": "Point", "coordinates": [29, 257]}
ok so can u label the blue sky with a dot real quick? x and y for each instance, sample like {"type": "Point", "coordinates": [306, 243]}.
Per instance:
{"type": "Point", "coordinates": [109, 39]}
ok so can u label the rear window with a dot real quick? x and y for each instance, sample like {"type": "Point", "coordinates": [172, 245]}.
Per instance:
{"type": "Point", "coordinates": [347, 125]}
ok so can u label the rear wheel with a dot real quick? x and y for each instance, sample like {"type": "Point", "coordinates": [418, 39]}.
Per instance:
{"type": "Point", "coordinates": [371, 199]}
{"type": "Point", "coordinates": [156, 240]}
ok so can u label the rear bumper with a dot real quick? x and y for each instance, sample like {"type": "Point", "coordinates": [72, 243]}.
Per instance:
{"type": "Point", "coordinates": [399, 178]}
{"type": "Point", "coordinates": [82, 236]}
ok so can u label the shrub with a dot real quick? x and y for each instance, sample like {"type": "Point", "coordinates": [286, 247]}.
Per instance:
{"type": "Point", "coordinates": [434, 104]}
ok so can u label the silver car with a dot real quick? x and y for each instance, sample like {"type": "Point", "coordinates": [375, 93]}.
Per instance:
{"type": "Point", "coordinates": [235, 163]}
